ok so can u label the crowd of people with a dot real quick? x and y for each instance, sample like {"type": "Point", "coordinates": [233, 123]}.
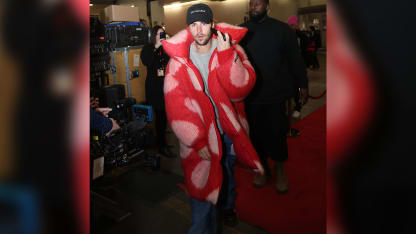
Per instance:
{"type": "Point", "coordinates": [225, 91]}
{"type": "Point", "coordinates": [309, 42]}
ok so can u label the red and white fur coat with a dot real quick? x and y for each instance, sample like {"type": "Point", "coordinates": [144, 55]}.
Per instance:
{"type": "Point", "coordinates": [191, 113]}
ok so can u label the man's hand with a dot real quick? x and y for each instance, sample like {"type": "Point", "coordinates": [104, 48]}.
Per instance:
{"type": "Point", "coordinates": [304, 95]}
{"type": "Point", "coordinates": [204, 153]}
{"type": "Point", "coordinates": [221, 43]}
{"type": "Point", "coordinates": [104, 111]}
{"type": "Point", "coordinates": [115, 127]}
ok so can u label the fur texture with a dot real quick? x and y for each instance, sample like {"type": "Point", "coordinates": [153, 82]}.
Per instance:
{"type": "Point", "coordinates": [192, 116]}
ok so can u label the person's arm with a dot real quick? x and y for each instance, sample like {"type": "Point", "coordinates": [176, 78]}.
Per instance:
{"type": "Point", "coordinates": [102, 124]}
{"type": "Point", "coordinates": [114, 127]}
{"type": "Point", "coordinates": [296, 64]}
{"type": "Point", "coordinates": [103, 110]}
{"type": "Point", "coordinates": [99, 122]}
{"type": "Point", "coordinates": [235, 72]}
{"type": "Point", "coordinates": [184, 113]}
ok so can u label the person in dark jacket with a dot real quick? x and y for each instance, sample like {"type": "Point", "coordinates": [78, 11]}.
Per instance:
{"type": "Point", "coordinates": [271, 48]}
{"type": "Point", "coordinates": [155, 59]}
{"type": "Point", "coordinates": [314, 44]}
{"type": "Point", "coordinates": [301, 39]}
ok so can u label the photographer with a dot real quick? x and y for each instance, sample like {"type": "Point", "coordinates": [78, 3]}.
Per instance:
{"type": "Point", "coordinates": [155, 59]}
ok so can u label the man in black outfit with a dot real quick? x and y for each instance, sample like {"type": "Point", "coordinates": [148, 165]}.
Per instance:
{"type": "Point", "coordinates": [315, 44]}
{"type": "Point", "coordinates": [271, 47]}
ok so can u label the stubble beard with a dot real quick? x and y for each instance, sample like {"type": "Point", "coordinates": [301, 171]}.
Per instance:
{"type": "Point", "coordinates": [204, 42]}
{"type": "Point", "coordinates": [257, 17]}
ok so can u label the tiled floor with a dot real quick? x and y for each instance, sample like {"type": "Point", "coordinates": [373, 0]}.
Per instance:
{"type": "Point", "coordinates": [172, 215]}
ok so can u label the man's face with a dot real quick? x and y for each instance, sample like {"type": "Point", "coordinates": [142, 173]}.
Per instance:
{"type": "Point", "coordinates": [257, 9]}
{"type": "Point", "coordinates": [201, 32]}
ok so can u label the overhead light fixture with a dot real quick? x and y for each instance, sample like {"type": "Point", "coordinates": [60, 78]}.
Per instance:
{"type": "Point", "coordinates": [132, 5]}
{"type": "Point", "coordinates": [172, 5]}
{"type": "Point", "coordinates": [91, 4]}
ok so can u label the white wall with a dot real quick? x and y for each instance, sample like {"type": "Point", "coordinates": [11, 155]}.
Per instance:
{"type": "Point", "coordinates": [282, 9]}
{"type": "Point", "coordinates": [308, 3]}
{"type": "Point", "coordinates": [156, 11]}
{"type": "Point", "coordinates": [97, 9]}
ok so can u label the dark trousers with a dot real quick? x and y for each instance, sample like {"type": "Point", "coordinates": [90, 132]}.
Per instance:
{"type": "Point", "coordinates": [160, 125]}
{"type": "Point", "coordinates": [313, 59]}
{"type": "Point", "coordinates": [296, 99]}
{"type": "Point", "coordinates": [204, 213]}
{"type": "Point", "coordinates": [269, 125]}
{"type": "Point", "coordinates": [228, 192]}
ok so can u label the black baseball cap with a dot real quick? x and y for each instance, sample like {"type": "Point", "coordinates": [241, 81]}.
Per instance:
{"type": "Point", "coordinates": [199, 12]}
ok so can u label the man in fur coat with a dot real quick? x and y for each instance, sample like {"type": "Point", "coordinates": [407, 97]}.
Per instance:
{"type": "Point", "coordinates": [208, 77]}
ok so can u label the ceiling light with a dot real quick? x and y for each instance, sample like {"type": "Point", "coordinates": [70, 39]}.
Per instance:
{"type": "Point", "coordinates": [179, 4]}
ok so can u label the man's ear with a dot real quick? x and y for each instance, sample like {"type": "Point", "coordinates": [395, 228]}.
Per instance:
{"type": "Point", "coordinates": [212, 24]}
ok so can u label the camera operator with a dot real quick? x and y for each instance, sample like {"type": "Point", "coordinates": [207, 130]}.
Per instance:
{"type": "Point", "coordinates": [155, 59]}
{"type": "Point", "coordinates": [94, 102]}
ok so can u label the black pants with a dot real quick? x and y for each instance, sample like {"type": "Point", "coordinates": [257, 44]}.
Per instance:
{"type": "Point", "coordinates": [269, 125]}
{"type": "Point", "coordinates": [313, 59]}
{"type": "Point", "coordinates": [160, 125]}
{"type": "Point", "coordinates": [296, 99]}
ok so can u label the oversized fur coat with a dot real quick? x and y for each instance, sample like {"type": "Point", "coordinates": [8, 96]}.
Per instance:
{"type": "Point", "coordinates": [191, 113]}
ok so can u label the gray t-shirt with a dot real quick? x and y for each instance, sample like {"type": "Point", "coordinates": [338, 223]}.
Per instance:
{"type": "Point", "coordinates": [201, 61]}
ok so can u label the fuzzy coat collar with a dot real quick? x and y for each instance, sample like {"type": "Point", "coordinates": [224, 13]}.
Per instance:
{"type": "Point", "coordinates": [178, 45]}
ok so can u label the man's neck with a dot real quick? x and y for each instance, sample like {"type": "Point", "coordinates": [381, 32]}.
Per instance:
{"type": "Point", "coordinates": [202, 49]}
{"type": "Point", "coordinates": [261, 20]}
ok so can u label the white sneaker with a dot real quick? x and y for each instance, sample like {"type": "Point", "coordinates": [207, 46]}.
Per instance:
{"type": "Point", "coordinates": [296, 114]}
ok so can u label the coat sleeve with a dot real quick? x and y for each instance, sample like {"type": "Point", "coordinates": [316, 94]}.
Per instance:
{"type": "Point", "coordinates": [99, 122]}
{"type": "Point", "coordinates": [235, 73]}
{"type": "Point", "coordinates": [183, 112]}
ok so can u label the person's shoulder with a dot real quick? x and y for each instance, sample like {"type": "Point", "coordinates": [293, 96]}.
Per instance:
{"type": "Point", "coordinates": [280, 23]}
{"type": "Point", "coordinates": [277, 23]}
{"type": "Point", "coordinates": [274, 21]}
{"type": "Point", "coordinates": [147, 46]}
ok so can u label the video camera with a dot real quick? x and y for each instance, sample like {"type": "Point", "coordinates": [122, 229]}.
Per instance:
{"type": "Point", "coordinates": [127, 143]}
{"type": "Point", "coordinates": [123, 145]}
{"type": "Point", "coordinates": [121, 110]}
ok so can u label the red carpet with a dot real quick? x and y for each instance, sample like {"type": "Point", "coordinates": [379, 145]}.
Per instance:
{"type": "Point", "coordinates": [302, 209]}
